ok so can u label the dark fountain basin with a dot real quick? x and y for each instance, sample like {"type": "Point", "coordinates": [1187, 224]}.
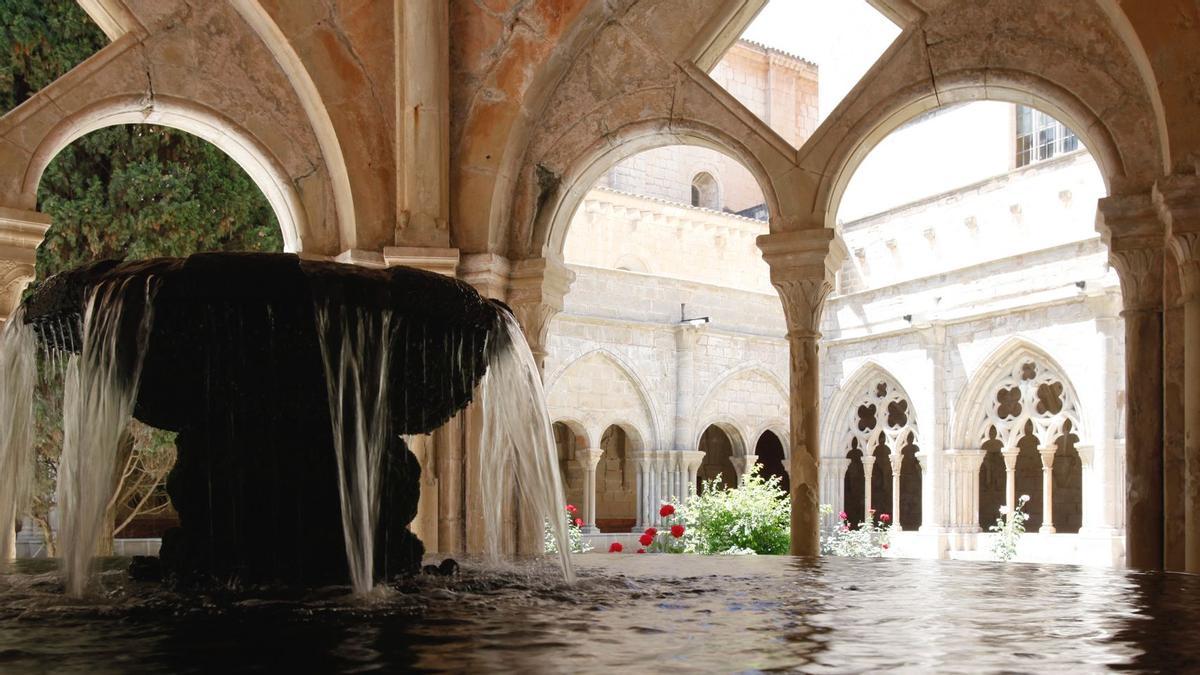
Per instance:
{"type": "Point", "coordinates": [233, 363]}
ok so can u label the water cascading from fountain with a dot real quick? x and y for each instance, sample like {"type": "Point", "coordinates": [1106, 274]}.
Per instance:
{"type": "Point", "coordinates": [356, 352]}
{"type": "Point", "coordinates": [18, 370]}
{"type": "Point", "coordinates": [100, 387]}
{"type": "Point", "coordinates": [517, 433]}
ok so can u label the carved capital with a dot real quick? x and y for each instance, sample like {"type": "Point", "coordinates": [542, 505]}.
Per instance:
{"type": "Point", "coordinates": [803, 265]}
{"type": "Point", "coordinates": [536, 290]}
{"type": "Point", "coordinates": [21, 232]}
{"type": "Point", "coordinates": [1131, 227]}
{"type": "Point", "coordinates": [1177, 199]}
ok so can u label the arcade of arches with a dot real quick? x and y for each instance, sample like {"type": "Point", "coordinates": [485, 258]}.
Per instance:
{"type": "Point", "coordinates": [508, 112]}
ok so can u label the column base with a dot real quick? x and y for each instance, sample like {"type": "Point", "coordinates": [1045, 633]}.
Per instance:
{"type": "Point", "coordinates": [1046, 529]}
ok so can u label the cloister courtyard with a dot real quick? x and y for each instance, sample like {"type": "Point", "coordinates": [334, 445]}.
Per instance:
{"type": "Point", "coordinates": [921, 265]}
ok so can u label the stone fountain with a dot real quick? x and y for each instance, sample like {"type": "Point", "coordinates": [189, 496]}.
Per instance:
{"type": "Point", "coordinates": [290, 382]}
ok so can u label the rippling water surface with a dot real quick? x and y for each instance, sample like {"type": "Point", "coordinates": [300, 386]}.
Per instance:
{"type": "Point", "coordinates": [627, 613]}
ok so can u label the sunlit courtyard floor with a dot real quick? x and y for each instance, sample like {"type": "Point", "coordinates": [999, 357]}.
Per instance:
{"type": "Point", "coordinates": [627, 613]}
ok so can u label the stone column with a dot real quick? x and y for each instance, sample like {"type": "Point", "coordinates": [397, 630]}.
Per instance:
{"type": "Point", "coordinates": [1134, 234]}
{"type": "Point", "coordinates": [645, 475]}
{"type": "Point", "coordinates": [536, 290]}
{"type": "Point", "coordinates": [963, 493]}
{"type": "Point", "coordinates": [20, 234]}
{"type": "Point", "coordinates": [664, 484]}
{"type": "Point", "coordinates": [743, 464]}
{"type": "Point", "coordinates": [1093, 506]}
{"type": "Point", "coordinates": [1178, 201]}
{"type": "Point", "coordinates": [868, 462]}
{"type": "Point", "coordinates": [691, 459]}
{"type": "Point", "coordinates": [1010, 478]}
{"type": "Point", "coordinates": [896, 461]}
{"type": "Point", "coordinates": [489, 275]}
{"type": "Point", "coordinates": [803, 263]}
{"type": "Point", "coordinates": [590, 458]}
{"type": "Point", "coordinates": [1047, 453]}
{"type": "Point", "coordinates": [423, 125]}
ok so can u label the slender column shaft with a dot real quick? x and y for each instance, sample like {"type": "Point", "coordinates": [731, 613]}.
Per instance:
{"type": "Point", "coordinates": [1010, 479]}
{"type": "Point", "coordinates": [1143, 445]}
{"type": "Point", "coordinates": [1191, 428]}
{"type": "Point", "coordinates": [1047, 490]}
{"type": "Point", "coordinates": [896, 492]}
{"type": "Point", "coordinates": [868, 472]}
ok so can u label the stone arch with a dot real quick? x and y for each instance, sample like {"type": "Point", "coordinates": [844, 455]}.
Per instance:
{"type": "Point", "coordinates": [873, 425]}
{"type": "Point", "coordinates": [745, 413]}
{"type": "Point", "coordinates": [569, 396]}
{"type": "Point", "coordinates": [1021, 402]}
{"type": "Point", "coordinates": [836, 434]}
{"type": "Point", "coordinates": [552, 221]}
{"type": "Point", "coordinates": [616, 478]}
{"type": "Point", "coordinates": [571, 438]}
{"type": "Point", "coordinates": [1054, 72]}
{"type": "Point", "coordinates": [720, 441]}
{"type": "Point", "coordinates": [772, 457]}
{"type": "Point", "coordinates": [974, 414]}
{"type": "Point", "coordinates": [706, 191]}
{"type": "Point", "coordinates": [315, 110]}
{"type": "Point", "coordinates": [267, 173]}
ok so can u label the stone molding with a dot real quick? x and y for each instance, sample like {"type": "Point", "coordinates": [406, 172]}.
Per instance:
{"type": "Point", "coordinates": [442, 261]}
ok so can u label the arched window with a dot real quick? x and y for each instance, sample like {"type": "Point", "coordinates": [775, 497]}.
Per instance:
{"type": "Point", "coordinates": [1028, 424]}
{"type": "Point", "coordinates": [881, 442]}
{"type": "Point", "coordinates": [706, 192]}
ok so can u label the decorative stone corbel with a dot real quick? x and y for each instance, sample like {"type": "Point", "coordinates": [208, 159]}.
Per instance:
{"type": "Point", "coordinates": [21, 232]}
{"type": "Point", "coordinates": [536, 290]}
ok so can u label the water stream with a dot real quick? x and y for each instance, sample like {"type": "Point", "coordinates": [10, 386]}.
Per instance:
{"type": "Point", "coordinates": [518, 440]}
{"type": "Point", "coordinates": [356, 352]}
{"type": "Point", "coordinates": [98, 396]}
{"type": "Point", "coordinates": [18, 370]}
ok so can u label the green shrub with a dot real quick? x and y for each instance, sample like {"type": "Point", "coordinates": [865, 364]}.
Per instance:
{"type": "Point", "coordinates": [753, 517]}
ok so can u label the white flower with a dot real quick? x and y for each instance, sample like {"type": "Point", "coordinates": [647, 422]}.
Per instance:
{"type": "Point", "coordinates": [1004, 510]}
{"type": "Point", "coordinates": [1024, 498]}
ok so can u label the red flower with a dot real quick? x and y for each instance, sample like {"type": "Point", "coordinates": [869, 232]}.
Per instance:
{"type": "Point", "coordinates": [843, 516]}
{"type": "Point", "coordinates": [666, 510]}
{"type": "Point", "coordinates": [885, 518]}
{"type": "Point", "coordinates": [571, 508]}
{"type": "Point", "coordinates": [885, 547]}
{"type": "Point", "coordinates": [615, 547]}
{"type": "Point", "coordinates": [677, 531]}
{"type": "Point", "coordinates": [651, 531]}
{"type": "Point", "coordinates": [641, 550]}
{"type": "Point", "coordinates": [579, 522]}
{"type": "Point", "coordinates": [646, 539]}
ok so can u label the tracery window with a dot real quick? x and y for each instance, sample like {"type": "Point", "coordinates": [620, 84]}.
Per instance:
{"type": "Point", "coordinates": [884, 473]}
{"type": "Point", "coordinates": [1040, 137]}
{"type": "Point", "coordinates": [1031, 419]}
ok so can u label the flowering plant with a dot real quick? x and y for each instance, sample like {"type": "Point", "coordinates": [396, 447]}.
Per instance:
{"type": "Point", "coordinates": [753, 517]}
{"type": "Point", "coordinates": [669, 540]}
{"type": "Point", "coordinates": [869, 540]}
{"type": "Point", "coordinates": [1008, 528]}
{"type": "Point", "coordinates": [574, 533]}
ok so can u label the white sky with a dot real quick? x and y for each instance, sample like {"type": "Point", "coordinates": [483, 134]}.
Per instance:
{"type": "Point", "coordinates": [843, 37]}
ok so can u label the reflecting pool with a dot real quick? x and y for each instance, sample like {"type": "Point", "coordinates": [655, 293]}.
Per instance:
{"type": "Point", "coordinates": [625, 613]}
